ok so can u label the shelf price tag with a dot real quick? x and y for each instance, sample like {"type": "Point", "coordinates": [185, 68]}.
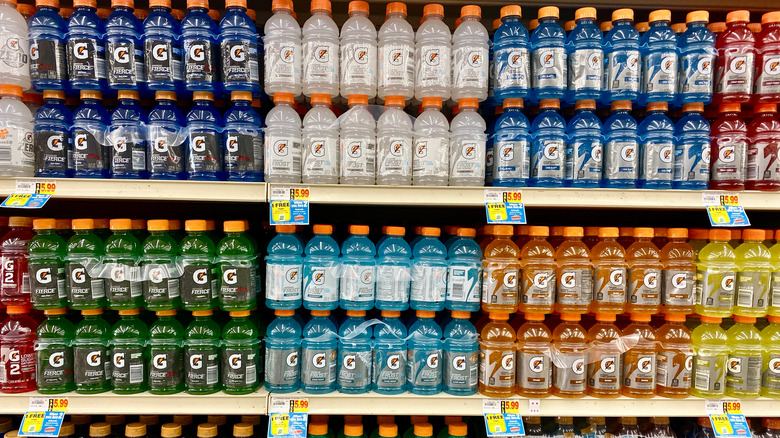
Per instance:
{"type": "Point", "coordinates": [504, 206]}
{"type": "Point", "coordinates": [724, 210]}
{"type": "Point", "coordinates": [30, 194]}
{"type": "Point", "coordinates": [44, 417]}
{"type": "Point", "coordinates": [727, 419]}
{"type": "Point", "coordinates": [502, 417]}
{"type": "Point", "coordinates": [289, 205]}
{"type": "Point", "coordinates": [289, 418]}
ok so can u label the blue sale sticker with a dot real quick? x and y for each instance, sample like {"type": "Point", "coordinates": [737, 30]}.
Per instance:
{"type": "Point", "coordinates": [727, 418]}
{"type": "Point", "coordinates": [288, 418]}
{"type": "Point", "coordinates": [724, 210]}
{"type": "Point", "coordinates": [30, 194]}
{"type": "Point", "coordinates": [502, 418]}
{"type": "Point", "coordinates": [41, 424]}
{"type": "Point", "coordinates": [289, 205]}
{"type": "Point", "coordinates": [504, 206]}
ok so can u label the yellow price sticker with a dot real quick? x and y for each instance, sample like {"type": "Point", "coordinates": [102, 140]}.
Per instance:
{"type": "Point", "coordinates": [496, 423]}
{"type": "Point", "coordinates": [718, 214]}
{"type": "Point", "coordinates": [46, 187]}
{"type": "Point", "coordinates": [510, 406]}
{"type": "Point", "coordinates": [728, 200]}
{"type": "Point", "coordinates": [281, 210]}
{"type": "Point", "coordinates": [301, 194]}
{"type": "Point", "coordinates": [32, 422]}
{"type": "Point", "coordinates": [280, 424]}
{"type": "Point", "coordinates": [497, 211]}
{"type": "Point", "coordinates": [732, 407]}
{"type": "Point", "coordinates": [722, 424]}
{"type": "Point", "coordinates": [58, 404]}
{"type": "Point", "coordinates": [18, 199]}
{"type": "Point", "coordinates": [299, 406]}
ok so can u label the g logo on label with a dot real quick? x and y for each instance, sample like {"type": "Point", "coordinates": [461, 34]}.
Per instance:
{"type": "Point", "coordinates": [57, 359]}
{"type": "Point", "coordinates": [43, 275]}
{"type": "Point", "coordinates": [81, 51]}
{"type": "Point", "coordinates": [160, 52]}
{"type": "Point", "coordinates": [121, 54]}
{"type": "Point", "coordinates": [197, 52]}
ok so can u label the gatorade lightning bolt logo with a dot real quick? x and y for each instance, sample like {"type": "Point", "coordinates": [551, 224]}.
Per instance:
{"type": "Point", "coordinates": [704, 66]}
{"type": "Point", "coordinates": [81, 51]}
{"type": "Point", "coordinates": [200, 276]}
{"type": "Point", "coordinates": [318, 277]}
{"type": "Point", "coordinates": [322, 54]}
{"type": "Point", "coordinates": [238, 53]}
{"type": "Point", "coordinates": [633, 60]}
{"type": "Point", "coordinates": [197, 52]}
{"type": "Point", "coordinates": [57, 360]}
{"type": "Point", "coordinates": [594, 61]}
{"type": "Point", "coordinates": [161, 146]}
{"type": "Point", "coordinates": [121, 55]}
{"type": "Point", "coordinates": [394, 361]}
{"type": "Point", "coordinates": [118, 274]}
{"type": "Point", "coordinates": [628, 153]}
{"type": "Point", "coordinates": [354, 150]}
{"type": "Point", "coordinates": [396, 57]}
{"type": "Point", "coordinates": [727, 283]}
{"type": "Point", "coordinates": [318, 360]}
{"type": "Point", "coordinates": [286, 54]}
{"type": "Point", "coordinates": [160, 52]}
{"type": "Point", "coordinates": [774, 365]}
{"type": "Point", "coordinates": [230, 276]}
{"type": "Point", "coordinates": [292, 275]}
{"type": "Point", "coordinates": [199, 144]}
{"type": "Point", "coordinates": [160, 361]}
{"type": "Point", "coordinates": [510, 280]}
{"type": "Point", "coordinates": [469, 151]}
{"type": "Point", "coordinates": [569, 279]}
{"type": "Point", "coordinates": [666, 154]}
{"type": "Point", "coordinates": [361, 55]}
{"type": "Point", "coordinates": [651, 280]}
{"type": "Point", "coordinates": [397, 148]}
{"type": "Point", "coordinates": [43, 275]}
{"type": "Point", "coordinates": [508, 362]}
{"type": "Point", "coordinates": [292, 359]}
{"type": "Point", "coordinates": [735, 365]}
{"type": "Point", "coordinates": [507, 152]}
{"type": "Point", "coordinates": [120, 145]}
{"type": "Point", "coordinates": [432, 361]}
{"type": "Point", "coordinates": [119, 360]}
{"type": "Point", "coordinates": [366, 277]}
{"type": "Point", "coordinates": [232, 144]}
{"type": "Point", "coordinates": [422, 149]}
{"type": "Point", "coordinates": [475, 59]}
{"type": "Point", "coordinates": [459, 363]}
{"type": "Point", "coordinates": [547, 59]}
{"type": "Point", "coordinates": [541, 280]}
{"type": "Point", "coordinates": [235, 361]}
{"type": "Point", "coordinates": [55, 143]}
{"type": "Point", "coordinates": [667, 65]}
{"type": "Point", "coordinates": [34, 51]}
{"type": "Point", "coordinates": [616, 277]}
{"type": "Point", "coordinates": [515, 59]}
{"type": "Point", "coordinates": [281, 148]}
{"type": "Point", "coordinates": [78, 275]}
{"type": "Point", "coordinates": [679, 281]}
{"type": "Point", "coordinates": [645, 364]}
{"type": "Point", "coordinates": [196, 361]}
{"type": "Point", "coordinates": [433, 57]}
{"type": "Point", "coordinates": [738, 64]}
{"type": "Point", "coordinates": [318, 148]}
{"type": "Point", "coordinates": [578, 366]}
{"type": "Point", "coordinates": [727, 154]}
{"type": "Point", "coordinates": [349, 362]}
{"type": "Point", "coordinates": [536, 364]}
{"type": "Point", "coordinates": [93, 358]}
{"type": "Point", "coordinates": [608, 365]}
{"type": "Point", "coordinates": [551, 152]}
{"type": "Point", "coordinates": [772, 67]}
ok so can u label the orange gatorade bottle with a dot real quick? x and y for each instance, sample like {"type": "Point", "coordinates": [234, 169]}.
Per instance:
{"type": "Point", "coordinates": [537, 258]}
{"type": "Point", "coordinates": [644, 274]}
{"type": "Point", "coordinates": [497, 357]}
{"type": "Point", "coordinates": [534, 351]}
{"type": "Point", "coordinates": [570, 355]}
{"type": "Point", "coordinates": [679, 273]}
{"type": "Point", "coordinates": [639, 361]}
{"type": "Point", "coordinates": [574, 273]}
{"type": "Point", "coordinates": [604, 357]}
{"type": "Point", "coordinates": [521, 235]}
{"type": "Point", "coordinates": [501, 272]}
{"type": "Point", "coordinates": [675, 358]}
{"type": "Point", "coordinates": [609, 273]}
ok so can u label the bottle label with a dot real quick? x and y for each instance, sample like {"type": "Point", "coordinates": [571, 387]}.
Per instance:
{"type": "Point", "coordinates": [513, 68]}
{"type": "Point", "coordinates": [396, 65]}
{"type": "Point", "coordinates": [394, 156]}
{"type": "Point", "coordinates": [239, 62]}
{"type": "Point", "coordinates": [429, 283]}
{"type": "Point", "coordinates": [320, 156]}
{"type": "Point", "coordinates": [467, 158]}
{"type": "Point", "coordinates": [500, 284]}
{"type": "Point", "coordinates": [205, 151]}
{"type": "Point", "coordinates": [708, 373]}
{"type": "Point", "coordinates": [512, 159]}
{"type": "Point", "coordinates": [735, 73]}
{"type": "Point", "coordinates": [81, 286]}
{"type": "Point", "coordinates": [678, 287]}
{"type": "Point", "coordinates": [243, 151]}
{"type": "Point", "coordinates": [696, 73]}
{"type": "Point", "coordinates": [283, 282]}
{"type": "Point", "coordinates": [775, 290]}
{"type": "Point", "coordinates": [623, 71]}
{"type": "Point", "coordinates": [55, 365]}
{"type": "Point", "coordinates": [549, 68]}
{"type": "Point", "coordinates": [431, 157]}
{"type": "Point", "coordinates": [319, 366]}
{"type": "Point", "coordinates": [461, 370]}
{"type": "Point", "coordinates": [128, 365]}
{"type": "Point", "coordinates": [119, 286]}
{"type": "Point", "coordinates": [586, 69]}
{"type": "Point", "coordinates": [620, 160]}
{"type": "Point", "coordinates": [763, 163]}
{"type": "Point", "coordinates": [166, 153]}
{"type": "Point", "coordinates": [87, 151]}
{"type": "Point", "coordinates": [47, 60]}
{"type": "Point", "coordinates": [692, 162]}
{"type": "Point", "coordinates": [321, 283]}
{"type": "Point", "coordinates": [160, 285]}
{"type": "Point", "coordinates": [575, 287]}
{"type": "Point", "coordinates": [610, 285]}
{"type": "Point", "coordinates": [584, 160]}
{"type": "Point", "coordinates": [470, 67]}
{"type": "Point", "coordinates": [768, 80]}
{"type": "Point", "coordinates": [538, 287]}
{"type": "Point", "coordinates": [771, 376]}
{"type": "Point", "coordinates": [125, 64]}
{"type": "Point", "coordinates": [320, 62]}
{"type": "Point", "coordinates": [389, 368]}
{"type": "Point", "coordinates": [433, 65]}
{"type": "Point", "coordinates": [239, 367]}
{"type": "Point", "coordinates": [86, 59]}
{"type": "Point", "coordinates": [422, 368]}
{"type": "Point", "coordinates": [358, 156]}
{"type": "Point", "coordinates": [14, 274]}
{"type": "Point", "coordinates": [90, 365]}
{"type": "Point", "coordinates": [281, 366]}
{"type": "Point", "coordinates": [163, 61]}
{"type": "Point", "coordinates": [238, 284]}
{"type": "Point", "coordinates": [569, 372]}
{"type": "Point", "coordinates": [639, 371]}
{"type": "Point", "coordinates": [743, 373]}
{"type": "Point", "coordinates": [282, 62]}
{"type": "Point", "coordinates": [357, 283]}
{"type": "Point", "coordinates": [715, 289]}
{"type": "Point", "coordinates": [497, 367]}
{"type": "Point", "coordinates": [201, 367]}
{"type": "Point", "coordinates": [659, 73]}
{"type": "Point", "coordinates": [674, 369]}
{"type": "Point", "coordinates": [534, 371]}
{"type": "Point", "coordinates": [18, 364]}
{"type": "Point", "coordinates": [47, 282]}
{"type": "Point", "coordinates": [549, 159]}
{"type": "Point", "coordinates": [51, 150]}
{"type": "Point", "coordinates": [657, 161]}
{"type": "Point", "coordinates": [644, 287]}
{"type": "Point", "coordinates": [198, 284]}
{"type": "Point", "coordinates": [393, 283]}
{"type": "Point", "coordinates": [354, 369]}
{"type": "Point", "coordinates": [200, 60]}
{"type": "Point", "coordinates": [358, 65]}
{"type": "Point", "coordinates": [604, 371]}
{"type": "Point", "coordinates": [463, 282]}
{"type": "Point", "coordinates": [128, 151]}
{"type": "Point", "coordinates": [731, 159]}
{"type": "Point", "coordinates": [282, 156]}
{"type": "Point", "coordinates": [753, 289]}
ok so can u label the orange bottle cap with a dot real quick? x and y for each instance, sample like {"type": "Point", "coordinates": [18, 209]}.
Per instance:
{"type": "Point", "coordinates": [691, 107]}
{"type": "Point", "coordinates": [621, 105]}
{"type": "Point", "coordinates": [549, 11]}
{"type": "Point", "coordinates": [503, 230]}
{"type": "Point", "coordinates": [423, 429]}
{"type": "Point", "coordinates": [468, 102]}
{"type": "Point", "coordinates": [433, 9]}
{"type": "Point", "coordinates": [753, 234]}
{"type": "Point", "coordinates": [608, 317]}
{"type": "Point", "coordinates": [697, 16]}
{"type": "Point", "coordinates": [10, 90]}
{"type": "Point", "coordinates": [609, 232]}
{"type": "Point", "coordinates": [514, 102]}
{"type": "Point", "coordinates": [320, 312]}
{"type": "Point", "coordinates": [54, 94]}
{"type": "Point", "coordinates": [573, 232]}
{"type": "Point", "coordinates": [570, 317]}
{"type": "Point", "coordinates": [660, 15]}
{"type": "Point", "coordinates": [88, 3]}
{"type": "Point", "coordinates": [499, 316]}
{"type": "Point", "coordinates": [533, 24]}
{"type": "Point", "coordinates": [591, 231]}
{"type": "Point", "coordinates": [359, 229]}
{"type": "Point", "coordinates": [585, 13]}
{"type": "Point", "coordinates": [396, 8]}
{"type": "Point", "coordinates": [745, 319]}
{"type": "Point", "coordinates": [557, 231]}
{"type": "Point", "coordinates": [157, 3]}
{"type": "Point", "coordinates": [511, 11]}
{"type": "Point", "coordinates": [60, 311]}
{"type": "Point", "coordinates": [678, 233]}
{"type": "Point", "coordinates": [158, 225]}
{"type": "Point", "coordinates": [320, 98]}
{"type": "Point", "coordinates": [644, 232]}
{"type": "Point", "coordinates": [197, 4]}
{"type": "Point", "coordinates": [388, 430]}
{"type": "Point", "coordinates": [676, 317]}
{"type": "Point", "coordinates": [88, 312]}
{"type": "Point", "coordinates": [121, 224]}
{"type": "Point", "coordinates": [357, 99]}
{"type": "Point", "coordinates": [44, 224]}
{"type": "Point", "coordinates": [738, 16]}
{"type": "Point", "coordinates": [679, 28]}
{"type": "Point", "coordinates": [425, 313]}
{"type": "Point", "coordinates": [765, 108]}
{"type": "Point", "coordinates": [770, 17]}
{"type": "Point", "coordinates": [717, 27]}
{"type": "Point", "coordinates": [203, 95]}
{"type": "Point", "coordinates": [458, 429]}
{"type": "Point", "coordinates": [467, 232]}
{"type": "Point", "coordinates": [284, 97]}
{"type": "Point", "coordinates": [657, 106]}
{"type": "Point", "coordinates": [754, 27]}
{"type": "Point", "coordinates": [606, 26]}
{"type": "Point", "coordinates": [17, 310]}
{"type": "Point", "coordinates": [462, 314]}
{"type": "Point", "coordinates": [391, 313]}
{"type": "Point", "coordinates": [623, 14]}
{"type": "Point", "coordinates": [207, 312]}
{"type": "Point", "coordinates": [195, 225]}
{"type": "Point", "coordinates": [641, 317]}
{"type": "Point", "coordinates": [698, 233]}
{"type": "Point", "coordinates": [719, 234]}
{"type": "Point", "coordinates": [585, 104]}
{"type": "Point", "coordinates": [534, 316]}
{"type": "Point", "coordinates": [241, 95]}
{"type": "Point", "coordinates": [285, 228]}
{"type": "Point", "coordinates": [470, 11]}
{"type": "Point", "coordinates": [431, 102]}
{"type": "Point", "coordinates": [167, 95]}
{"type": "Point", "coordinates": [711, 319]}
{"type": "Point", "coordinates": [83, 224]}
{"type": "Point", "coordinates": [537, 230]}
{"type": "Point", "coordinates": [395, 231]}
{"type": "Point", "coordinates": [283, 312]}
{"type": "Point", "coordinates": [549, 103]}
{"type": "Point", "coordinates": [233, 226]}
{"type": "Point", "coordinates": [431, 231]}
{"type": "Point", "coordinates": [357, 313]}
{"type": "Point", "coordinates": [286, 5]}
{"type": "Point", "coordinates": [323, 229]}
{"type": "Point", "coordinates": [642, 27]}
{"type": "Point", "coordinates": [171, 312]}
{"type": "Point", "coordinates": [395, 100]}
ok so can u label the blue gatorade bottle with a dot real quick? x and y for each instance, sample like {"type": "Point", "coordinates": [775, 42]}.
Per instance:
{"type": "Point", "coordinates": [429, 272]}
{"type": "Point", "coordinates": [319, 354]}
{"type": "Point", "coordinates": [583, 150]}
{"type": "Point", "coordinates": [461, 354]}
{"type": "Point", "coordinates": [548, 56]}
{"type": "Point", "coordinates": [656, 147]}
{"type": "Point", "coordinates": [200, 51]}
{"type": "Point", "coordinates": [586, 57]}
{"type": "Point", "coordinates": [90, 147]}
{"type": "Point", "coordinates": [512, 146]}
{"type": "Point", "coordinates": [243, 140]}
{"type": "Point", "coordinates": [621, 154]}
{"type": "Point", "coordinates": [167, 138]}
{"type": "Point", "coordinates": [85, 48]}
{"type": "Point", "coordinates": [283, 352]}
{"type": "Point", "coordinates": [658, 47]}
{"type": "Point", "coordinates": [52, 136]}
{"type": "Point", "coordinates": [423, 368]}
{"type": "Point", "coordinates": [321, 270]}
{"type": "Point", "coordinates": [124, 52]}
{"type": "Point", "coordinates": [238, 45]}
{"type": "Point", "coordinates": [283, 270]}
{"type": "Point", "coordinates": [464, 277]}
{"type": "Point", "coordinates": [393, 271]}
{"type": "Point", "coordinates": [127, 137]}
{"type": "Point", "coordinates": [621, 50]}
{"type": "Point", "coordinates": [389, 376]}
{"type": "Point", "coordinates": [354, 375]}
{"type": "Point", "coordinates": [692, 149]}
{"type": "Point", "coordinates": [162, 48]}
{"type": "Point", "coordinates": [511, 54]}
{"type": "Point", "coordinates": [48, 59]}
{"type": "Point", "coordinates": [696, 49]}
{"type": "Point", "coordinates": [548, 148]}
{"type": "Point", "coordinates": [204, 139]}
{"type": "Point", "coordinates": [358, 270]}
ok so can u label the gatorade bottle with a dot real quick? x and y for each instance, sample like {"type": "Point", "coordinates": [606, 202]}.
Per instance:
{"type": "Point", "coordinates": [467, 150]}
{"type": "Point", "coordinates": [763, 169]}
{"type": "Point", "coordinates": [729, 149]}
{"type": "Point", "coordinates": [754, 275]}
{"type": "Point", "coordinates": [470, 57]}
{"type": "Point", "coordinates": [166, 370]}
{"type": "Point", "coordinates": [14, 287]}
{"type": "Point", "coordinates": [389, 357]}
{"type": "Point", "coordinates": [710, 356]}
{"type": "Point", "coordinates": [238, 46]}
{"type": "Point", "coordinates": [357, 143]}
{"type": "Point", "coordinates": [569, 340]}
{"type": "Point", "coordinates": [464, 273]}
{"type": "Point", "coordinates": [52, 136]}
{"type": "Point", "coordinates": [658, 48]}
{"type": "Point", "coordinates": [204, 136]}
{"type": "Point", "coordinates": [201, 354]}
{"type": "Point", "coordinates": [18, 123]}
{"type": "Point", "coordinates": [460, 353]}
{"type": "Point", "coordinates": [283, 270]}
{"type": "Point", "coordinates": [744, 366]}
{"type": "Point", "coordinates": [511, 146]}
{"type": "Point", "coordinates": [85, 48]}
{"type": "Point", "coordinates": [736, 60]}
{"type": "Point", "coordinates": [54, 351]}
{"type": "Point", "coordinates": [501, 270]}
{"type": "Point", "coordinates": [656, 146]}
{"type": "Point", "coordinates": [621, 166]}
{"type": "Point", "coordinates": [85, 252]}
{"type": "Point", "coordinates": [159, 273]}
{"type": "Point", "coordinates": [237, 269]}
{"type": "Point", "coordinates": [45, 262]}
{"type": "Point", "coordinates": [512, 59]}
{"type": "Point", "coordinates": [90, 353]}
{"type": "Point", "coordinates": [770, 339]}
{"type": "Point", "coordinates": [127, 137]}
{"type": "Point", "coordinates": [320, 142]}
{"type": "Point", "coordinates": [696, 49]}
{"type": "Point", "coordinates": [128, 354]}
{"type": "Point", "coordinates": [674, 359]}
{"type": "Point", "coordinates": [241, 354]}
{"type": "Point", "coordinates": [198, 252]}
{"type": "Point", "coordinates": [282, 44]}
{"type": "Point", "coordinates": [393, 271]}
{"type": "Point", "coordinates": [166, 139]}
{"type": "Point", "coordinates": [358, 66]}
{"type": "Point", "coordinates": [574, 273]}
{"type": "Point", "coordinates": [357, 288]}
{"type": "Point", "coordinates": [243, 140]}
{"type": "Point", "coordinates": [90, 146]}
{"type": "Point", "coordinates": [433, 55]}
{"type": "Point", "coordinates": [200, 52]}
{"type": "Point", "coordinates": [639, 362]}
{"type": "Point", "coordinates": [622, 58]}
{"type": "Point", "coordinates": [431, 159]}
{"type": "Point", "coordinates": [644, 274]}
{"type": "Point", "coordinates": [123, 251]}
{"type": "Point", "coordinates": [538, 283]}
{"type": "Point", "coordinates": [282, 353]}
{"type": "Point", "coordinates": [497, 357]}
{"type": "Point", "coordinates": [586, 57]}
{"type": "Point", "coordinates": [394, 139]}
{"type": "Point", "coordinates": [692, 149]}
{"type": "Point", "coordinates": [18, 338]}
{"type": "Point", "coordinates": [429, 272]}
{"type": "Point", "coordinates": [319, 352]}
{"type": "Point", "coordinates": [679, 273]}
{"type": "Point", "coordinates": [534, 357]}
{"type": "Point", "coordinates": [423, 370]}
{"type": "Point", "coordinates": [125, 55]}
{"type": "Point", "coordinates": [396, 54]}
{"type": "Point", "coordinates": [320, 51]}
{"type": "Point", "coordinates": [548, 56]}
{"type": "Point", "coordinates": [767, 89]}
{"type": "Point", "coordinates": [605, 357]}
{"type": "Point", "coordinates": [584, 150]}
{"type": "Point", "coordinates": [548, 151]}
{"type": "Point", "coordinates": [716, 276]}
{"type": "Point", "coordinates": [48, 60]}
{"type": "Point", "coordinates": [354, 374]}
{"type": "Point", "coordinates": [162, 48]}
{"type": "Point", "coordinates": [321, 270]}
{"type": "Point", "coordinates": [609, 274]}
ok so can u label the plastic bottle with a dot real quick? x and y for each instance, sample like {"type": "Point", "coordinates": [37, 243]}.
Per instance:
{"type": "Point", "coordinates": [284, 266]}
{"type": "Point", "coordinates": [52, 136]}
{"type": "Point", "coordinates": [239, 47]}
{"type": "Point", "coordinates": [692, 149]}
{"type": "Point", "coordinates": [14, 269]}
{"type": "Point", "coordinates": [45, 263]}
{"type": "Point", "coordinates": [394, 143]}
{"type": "Point", "coordinates": [54, 351]}
{"type": "Point", "coordinates": [241, 353]}
{"type": "Point", "coordinates": [320, 51]}
{"type": "Point", "coordinates": [389, 355]}
{"type": "Point", "coordinates": [584, 153]}
{"type": "Point", "coordinates": [158, 270]}
{"type": "Point", "coordinates": [200, 51]}
{"type": "Point", "coordinates": [497, 357]}
{"type": "Point", "coordinates": [320, 142]}
{"type": "Point", "coordinates": [202, 354]}
{"type": "Point", "coordinates": [283, 141]}
{"type": "Point", "coordinates": [512, 59]}
{"type": "Point", "coordinates": [621, 164]}
{"type": "Point", "coordinates": [501, 271]}
{"type": "Point", "coordinates": [18, 338]}
{"type": "Point", "coordinates": [511, 146]}
{"type": "Point", "coordinates": [744, 366]}
{"type": "Point", "coordinates": [763, 168]}
{"type": "Point", "coordinates": [716, 276]}
{"type": "Point", "coordinates": [605, 359]}
{"type": "Point", "coordinates": [656, 147]}
{"type": "Point", "coordinates": [754, 274]}
{"type": "Point", "coordinates": [166, 139]}
{"type": "Point", "coordinates": [467, 148]}
{"type": "Point", "coordinates": [639, 361]}
{"type": "Point", "coordinates": [696, 50]}
{"type": "Point", "coordinates": [622, 58]}
{"type": "Point", "coordinates": [319, 353]}
{"type": "Point", "coordinates": [161, 44]}
{"type": "Point", "coordinates": [85, 48]}
{"type": "Point", "coordinates": [423, 370]}
{"type": "Point", "coordinates": [243, 140]}
{"type": "Point", "coordinates": [124, 53]}
{"type": "Point", "coordinates": [736, 60]}
{"type": "Point", "coordinates": [674, 359]}
{"type": "Point", "coordinates": [609, 274]}
{"type": "Point", "coordinates": [85, 253]}
{"type": "Point", "coordinates": [127, 138]}
{"type": "Point", "coordinates": [537, 258]}
{"type": "Point", "coordinates": [282, 47]}
{"type": "Point", "coordinates": [570, 357]}
{"type": "Point", "coordinates": [433, 55]}
{"type": "Point", "coordinates": [729, 149]}
{"type": "Point", "coordinates": [48, 60]}
{"type": "Point", "coordinates": [585, 56]}
{"type": "Point", "coordinates": [429, 272]}
{"type": "Point", "coordinates": [770, 340]}
{"type": "Point", "coordinates": [282, 353]}
{"type": "Point", "coordinates": [548, 56]}
{"type": "Point", "coordinates": [679, 273]}
{"type": "Point", "coordinates": [464, 273]}
{"type": "Point", "coordinates": [166, 370]}
{"type": "Point", "coordinates": [658, 48]}
{"type": "Point", "coordinates": [358, 66]}
{"type": "Point", "coordinates": [431, 159]}
{"type": "Point", "coordinates": [358, 278]}
{"type": "Point", "coordinates": [321, 270]}
{"type": "Point", "coordinates": [396, 54]}
{"type": "Point", "coordinates": [767, 87]}
{"type": "Point", "coordinates": [357, 129]}
{"type": "Point", "coordinates": [120, 267]}
{"type": "Point", "coordinates": [574, 273]}
{"type": "Point", "coordinates": [90, 353]}
{"type": "Point", "coordinates": [460, 355]}
{"type": "Point", "coordinates": [237, 269]}
{"type": "Point", "coordinates": [548, 150]}
{"type": "Point", "coordinates": [393, 271]}
{"type": "Point", "coordinates": [645, 283]}
{"type": "Point", "coordinates": [204, 136]}
{"type": "Point", "coordinates": [470, 57]}
{"type": "Point", "coordinates": [354, 374]}
{"type": "Point", "coordinates": [198, 252]}
{"type": "Point", "coordinates": [18, 123]}
{"type": "Point", "coordinates": [710, 356]}
{"type": "Point", "coordinates": [534, 357]}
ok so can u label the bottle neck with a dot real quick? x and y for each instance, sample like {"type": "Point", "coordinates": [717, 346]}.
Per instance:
{"type": "Point", "coordinates": [283, 11]}
{"type": "Point", "coordinates": [320, 12]}
{"type": "Point", "coordinates": [432, 108]}
{"type": "Point", "coordinates": [11, 96]}
{"type": "Point", "coordinates": [510, 18]}
{"type": "Point", "coordinates": [81, 232]}
{"type": "Point", "coordinates": [161, 9]}
{"type": "Point", "coordinates": [122, 8]}
{"type": "Point", "coordinates": [547, 20]}
{"type": "Point", "coordinates": [158, 233]}
{"type": "Point", "coordinates": [513, 109]}
{"type": "Point", "coordinates": [166, 102]}
{"type": "Point", "coordinates": [128, 101]}
{"type": "Point", "coordinates": [45, 232]}
{"type": "Point", "coordinates": [622, 22]}
{"type": "Point", "coordinates": [357, 14]}
{"type": "Point", "coordinates": [284, 104]}
{"type": "Point", "coordinates": [92, 101]}
{"type": "Point", "coordinates": [696, 24]}
{"type": "Point", "coordinates": [400, 15]}
{"type": "Point", "coordinates": [82, 8]}
{"type": "Point", "coordinates": [469, 18]}
{"type": "Point", "coordinates": [586, 20]}
{"type": "Point", "coordinates": [198, 9]}
{"type": "Point", "coordinates": [242, 102]}
{"type": "Point", "coordinates": [659, 23]}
